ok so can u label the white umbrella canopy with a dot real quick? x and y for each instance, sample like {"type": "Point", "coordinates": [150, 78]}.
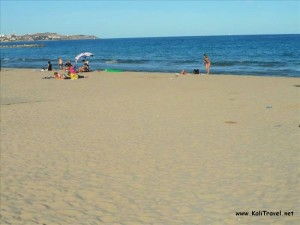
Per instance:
{"type": "Point", "coordinates": [83, 55]}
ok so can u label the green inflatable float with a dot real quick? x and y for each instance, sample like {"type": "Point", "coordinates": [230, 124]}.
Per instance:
{"type": "Point", "coordinates": [113, 70]}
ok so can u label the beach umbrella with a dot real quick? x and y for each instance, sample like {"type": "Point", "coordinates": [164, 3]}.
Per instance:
{"type": "Point", "coordinates": [83, 55]}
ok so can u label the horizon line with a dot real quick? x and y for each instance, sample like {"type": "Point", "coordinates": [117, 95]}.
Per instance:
{"type": "Point", "coordinates": [176, 36]}
{"type": "Point", "coordinates": [213, 35]}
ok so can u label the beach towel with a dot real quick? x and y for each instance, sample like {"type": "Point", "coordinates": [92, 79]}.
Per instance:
{"type": "Point", "coordinates": [73, 76]}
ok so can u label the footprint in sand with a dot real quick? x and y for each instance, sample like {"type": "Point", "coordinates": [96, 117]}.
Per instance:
{"type": "Point", "coordinates": [230, 122]}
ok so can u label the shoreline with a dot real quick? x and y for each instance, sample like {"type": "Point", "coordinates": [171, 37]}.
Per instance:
{"type": "Point", "coordinates": [155, 72]}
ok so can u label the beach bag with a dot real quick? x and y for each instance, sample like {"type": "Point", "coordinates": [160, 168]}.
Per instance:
{"type": "Point", "coordinates": [196, 71]}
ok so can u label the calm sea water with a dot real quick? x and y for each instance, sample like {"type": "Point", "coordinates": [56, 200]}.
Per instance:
{"type": "Point", "coordinates": [275, 55]}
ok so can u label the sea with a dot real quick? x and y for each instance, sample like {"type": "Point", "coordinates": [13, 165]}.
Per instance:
{"type": "Point", "coordinates": [260, 55]}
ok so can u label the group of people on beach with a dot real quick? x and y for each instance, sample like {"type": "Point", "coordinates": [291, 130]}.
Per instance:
{"type": "Point", "coordinates": [84, 68]}
{"type": "Point", "coordinates": [207, 64]}
{"type": "Point", "coordinates": [72, 72]}
{"type": "Point", "coordinates": [68, 71]}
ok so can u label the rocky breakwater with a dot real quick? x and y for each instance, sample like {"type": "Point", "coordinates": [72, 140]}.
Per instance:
{"type": "Point", "coordinates": [23, 46]}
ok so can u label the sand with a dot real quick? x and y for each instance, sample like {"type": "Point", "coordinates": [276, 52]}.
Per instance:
{"type": "Point", "coordinates": [148, 148]}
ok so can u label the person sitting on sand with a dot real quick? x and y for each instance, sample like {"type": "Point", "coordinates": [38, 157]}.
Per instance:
{"type": "Point", "coordinates": [71, 71]}
{"type": "Point", "coordinates": [84, 68]}
{"type": "Point", "coordinates": [183, 72]}
{"type": "Point", "coordinates": [72, 74]}
{"type": "Point", "coordinates": [68, 64]}
{"type": "Point", "coordinates": [86, 62]}
{"type": "Point", "coordinates": [206, 62]}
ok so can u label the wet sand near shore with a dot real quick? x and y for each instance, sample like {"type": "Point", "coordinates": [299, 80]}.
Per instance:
{"type": "Point", "coordinates": [148, 148]}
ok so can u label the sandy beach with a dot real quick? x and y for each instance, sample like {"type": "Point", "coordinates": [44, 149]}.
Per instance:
{"type": "Point", "coordinates": [148, 148]}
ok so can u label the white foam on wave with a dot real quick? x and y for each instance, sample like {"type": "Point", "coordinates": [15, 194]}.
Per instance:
{"type": "Point", "coordinates": [111, 62]}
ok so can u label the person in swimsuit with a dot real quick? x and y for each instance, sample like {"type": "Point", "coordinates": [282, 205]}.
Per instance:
{"type": "Point", "coordinates": [206, 62]}
{"type": "Point", "coordinates": [67, 65]}
{"type": "Point", "coordinates": [58, 76]}
{"type": "Point", "coordinates": [85, 67]}
{"type": "Point", "coordinates": [60, 63]}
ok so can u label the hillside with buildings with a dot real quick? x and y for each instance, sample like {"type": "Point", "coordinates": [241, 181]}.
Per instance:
{"type": "Point", "coordinates": [43, 37]}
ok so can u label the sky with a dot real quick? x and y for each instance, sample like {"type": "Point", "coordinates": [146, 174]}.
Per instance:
{"type": "Point", "coordinates": [151, 18]}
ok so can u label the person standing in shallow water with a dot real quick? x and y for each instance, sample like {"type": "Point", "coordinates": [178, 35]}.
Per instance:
{"type": "Point", "coordinates": [206, 62]}
{"type": "Point", "coordinates": [49, 68]}
{"type": "Point", "coordinates": [60, 63]}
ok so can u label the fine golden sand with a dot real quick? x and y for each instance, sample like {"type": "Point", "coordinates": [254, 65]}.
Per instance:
{"type": "Point", "coordinates": [148, 148]}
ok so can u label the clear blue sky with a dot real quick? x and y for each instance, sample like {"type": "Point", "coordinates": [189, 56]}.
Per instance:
{"type": "Point", "coordinates": [114, 19]}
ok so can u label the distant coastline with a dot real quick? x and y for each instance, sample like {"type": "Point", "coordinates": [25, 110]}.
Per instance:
{"type": "Point", "coordinates": [44, 37]}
